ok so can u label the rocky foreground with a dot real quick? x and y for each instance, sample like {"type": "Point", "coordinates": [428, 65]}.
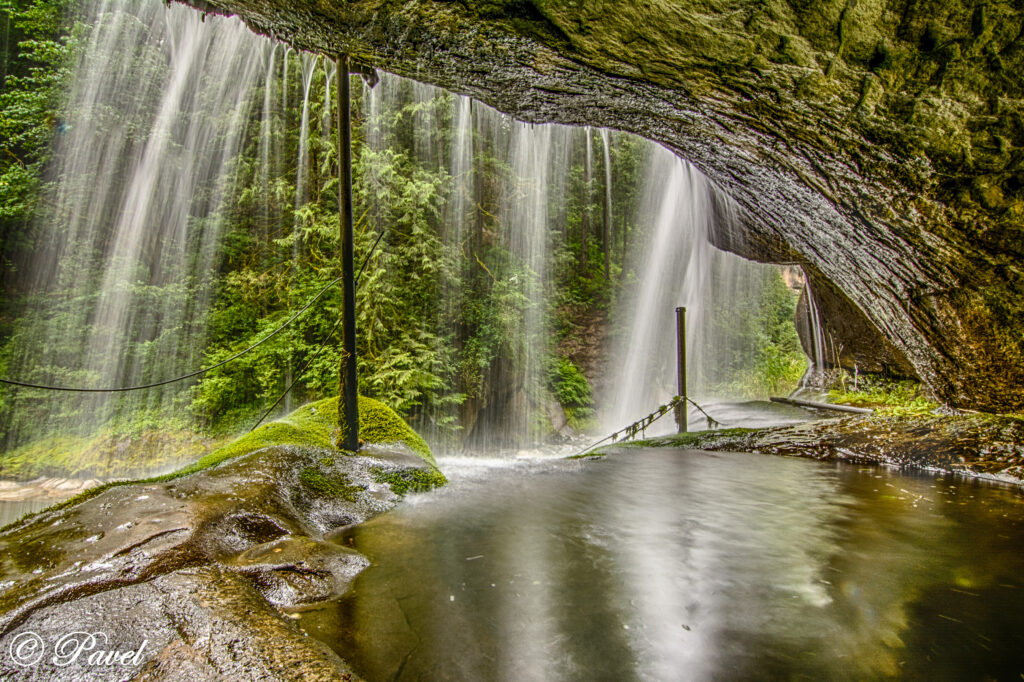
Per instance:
{"type": "Point", "coordinates": [198, 577]}
{"type": "Point", "coordinates": [979, 445]}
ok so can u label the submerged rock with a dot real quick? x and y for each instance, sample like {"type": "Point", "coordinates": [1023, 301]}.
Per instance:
{"type": "Point", "coordinates": [194, 576]}
{"type": "Point", "coordinates": [986, 446]}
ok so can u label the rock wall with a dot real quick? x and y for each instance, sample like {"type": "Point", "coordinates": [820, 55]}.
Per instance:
{"type": "Point", "coordinates": [848, 340]}
{"type": "Point", "coordinates": [879, 140]}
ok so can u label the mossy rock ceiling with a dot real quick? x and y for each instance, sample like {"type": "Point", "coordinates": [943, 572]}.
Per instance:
{"type": "Point", "coordinates": [878, 141]}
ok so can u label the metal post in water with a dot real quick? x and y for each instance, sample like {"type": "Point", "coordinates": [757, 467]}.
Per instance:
{"type": "Point", "coordinates": [348, 408]}
{"type": "Point", "coordinates": [681, 360]}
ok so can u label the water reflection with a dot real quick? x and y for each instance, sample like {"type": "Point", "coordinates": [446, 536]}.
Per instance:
{"type": "Point", "coordinates": [11, 511]}
{"type": "Point", "coordinates": [674, 565]}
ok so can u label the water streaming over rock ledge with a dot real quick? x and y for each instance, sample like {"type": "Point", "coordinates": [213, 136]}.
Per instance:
{"type": "Point", "coordinates": [157, 108]}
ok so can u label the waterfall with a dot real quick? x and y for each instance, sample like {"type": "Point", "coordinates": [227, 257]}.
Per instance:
{"type": "Point", "coordinates": [814, 376]}
{"type": "Point", "coordinates": [158, 104]}
{"type": "Point", "coordinates": [126, 282]}
{"type": "Point", "coordinates": [678, 266]}
{"type": "Point", "coordinates": [504, 204]}
{"type": "Point", "coordinates": [606, 233]}
{"type": "Point", "coordinates": [524, 218]}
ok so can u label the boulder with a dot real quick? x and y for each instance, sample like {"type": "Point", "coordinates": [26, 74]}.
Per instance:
{"type": "Point", "coordinates": [198, 575]}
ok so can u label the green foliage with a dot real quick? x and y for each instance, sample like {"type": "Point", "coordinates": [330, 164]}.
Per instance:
{"type": "Point", "coordinates": [572, 390]}
{"type": "Point", "coordinates": [762, 356]}
{"type": "Point", "coordinates": [888, 398]}
{"type": "Point", "coordinates": [35, 76]}
{"type": "Point", "coordinates": [568, 384]}
{"type": "Point", "coordinates": [402, 360]}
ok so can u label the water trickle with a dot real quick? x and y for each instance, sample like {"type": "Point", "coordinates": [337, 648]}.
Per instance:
{"type": "Point", "coordinates": [460, 168]}
{"type": "Point", "coordinates": [330, 71]}
{"type": "Point", "coordinates": [814, 377]}
{"type": "Point", "coordinates": [588, 179]}
{"type": "Point", "coordinates": [308, 64]}
{"type": "Point", "coordinates": [606, 234]}
{"type": "Point", "coordinates": [266, 136]}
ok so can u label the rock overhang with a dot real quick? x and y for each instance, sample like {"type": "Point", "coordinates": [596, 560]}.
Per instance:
{"type": "Point", "coordinates": [879, 142]}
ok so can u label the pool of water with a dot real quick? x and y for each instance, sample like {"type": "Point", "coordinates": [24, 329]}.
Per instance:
{"type": "Point", "coordinates": [681, 565]}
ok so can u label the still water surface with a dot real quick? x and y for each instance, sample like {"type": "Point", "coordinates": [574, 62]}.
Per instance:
{"type": "Point", "coordinates": [681, 565]}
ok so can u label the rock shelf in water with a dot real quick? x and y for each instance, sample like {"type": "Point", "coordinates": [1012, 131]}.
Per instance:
{"type": "Point", "coordinates": [985, 446]}
{"type": "Point", "coordinates": [206, 567]}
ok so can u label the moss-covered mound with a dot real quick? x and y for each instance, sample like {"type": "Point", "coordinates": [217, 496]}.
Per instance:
{"type": "Point", "coordinates": [314, 425]}
{"type": "Point", "coordinates": [378, 423]}
{"type": "Point", "coordinates": [311, 425]}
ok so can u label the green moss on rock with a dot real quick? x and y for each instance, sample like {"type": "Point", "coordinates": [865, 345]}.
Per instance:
{"type": "Point", "coordinates": [334, 485]}
{"type": "Point", "coordinates": [410, 480]}
{"type": "Point", "coordinates": [378, 423]}
{"type": "Point", "coordinates": [311, 425]}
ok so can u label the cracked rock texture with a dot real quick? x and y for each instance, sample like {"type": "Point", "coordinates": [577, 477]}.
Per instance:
{"type": "Point", "coordinates": [984, 446]}
{"type": "Point", "coordinates": [880, 141]}
{"type": "Point", "coordinates": [209, 570]}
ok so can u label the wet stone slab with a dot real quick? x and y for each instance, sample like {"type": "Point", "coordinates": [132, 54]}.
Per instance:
{"type": "Point", "coordinates": [195, 578]}
{"type": "Point", "coordinates": [977, 445]}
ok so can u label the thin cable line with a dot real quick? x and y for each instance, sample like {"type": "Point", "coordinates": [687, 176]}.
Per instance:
{"type": "Point", "coordinates": [185, 376]}
{"type": "Point", "coordinates": [323, 343]}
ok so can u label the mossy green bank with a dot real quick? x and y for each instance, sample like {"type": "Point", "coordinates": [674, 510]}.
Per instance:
{"type": "Point", "coordinates": [311, 425]}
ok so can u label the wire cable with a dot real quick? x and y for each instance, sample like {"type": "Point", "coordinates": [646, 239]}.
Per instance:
{"type": "Point", "coordinates": [184, 376]}
{"type": "Point", "coordinates": [323, 343]}
{"type": "Point", "coordinates": [643, 424]}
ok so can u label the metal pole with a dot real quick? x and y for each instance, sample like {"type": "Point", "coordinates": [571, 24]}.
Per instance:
{"type": "Point", "coordinates": [348, 408]}
{"type": "Point", "coordinates": [681, 360]}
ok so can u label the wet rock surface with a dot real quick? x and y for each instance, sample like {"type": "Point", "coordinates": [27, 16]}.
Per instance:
{"type": "Point", "coordinates": [973, 445]}
{"type": "Point", "coordinates": [880, 142]}
{"type": "Point", "coordinates": [204, 570]}
{"type": "Point", "coordinates": [848, 339]}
